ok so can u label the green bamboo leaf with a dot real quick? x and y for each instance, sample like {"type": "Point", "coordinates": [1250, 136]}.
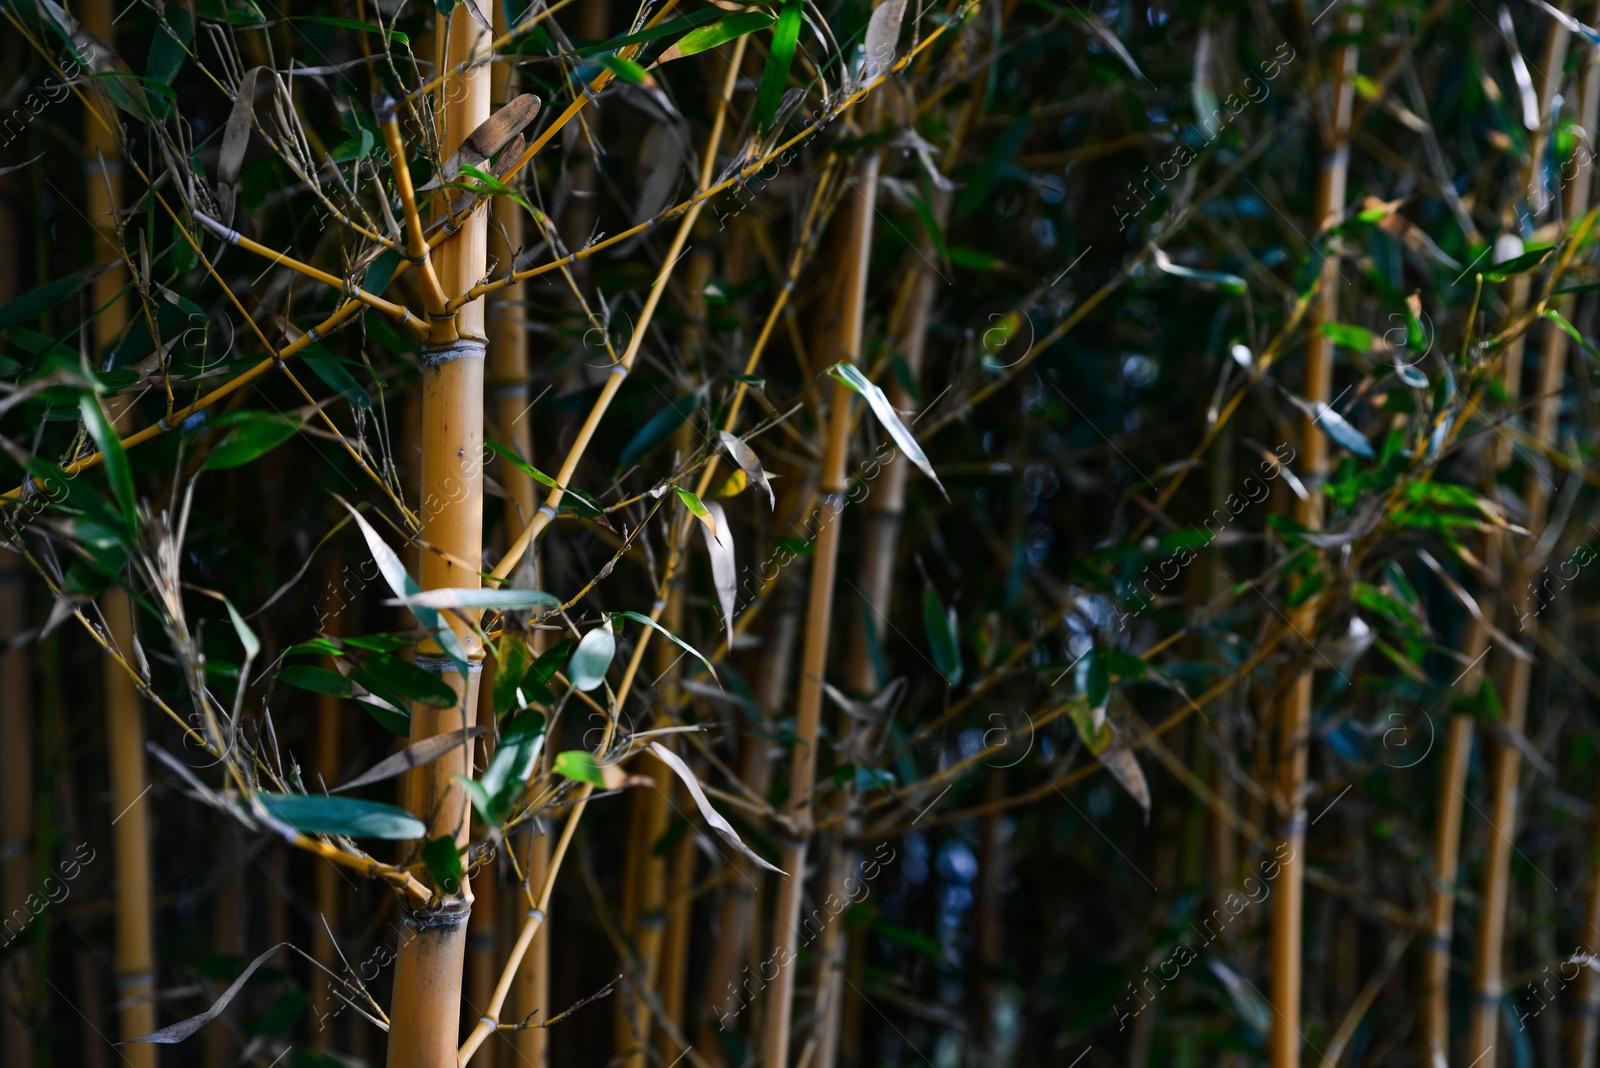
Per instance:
{"type": "Point", "coordinates": [652, 33]}
{"type": "Point", "coordinates": [638, 617]}
{"type": "Point", "coordinates": [579, 764]}
{"type": "Point", "coordinates": [380, 271]}
{"type": "Point", "coordinates": [247, 637]}
{"type": "Point", "coordinates": [1572, 331]}
{"type": "Point", "coordinates": [1094, 681]}
{"type": "Point", "coordinates": [785, 37]}
{"type": "Point", "coordinates": [544, 669]}
{"type": "Point", "coordinates": [1508, 269]}
{"type": "Point", "coordinates": [343, 815]}
{"type": "Point", "coordinates": [112, 458]}
{"type": "Point", "coordinates": [587, 668]}
{"type": "Point", "coordinates": [36, 302]}
{"type": "Point", "coordinates": [716, 34]}
{"type": "Point", "coordinates": [490, 184]}
{"type": "Point", "coordinates": [167, 49]}
{"type": "Point", "coordinates": [514, 759]}
{"type": "Point", "coordinates": [380, 671]}
{"type": "Point", "coordinates": [351, 24]}
{"type": "Point", "coordinates": [443, 860]}
{"type": "Point", "coordinates": [698, 509]}
{"type": "Point", "coordinates": [316, 679]}
{"type": "Point", "coordinates": [658, 429]}
{"type": "Point", "coordinates": [250, 440]}
{"type": "Point", "coordinates": [624, 68]}
{"type": "Point", "coordinates": [511, 662]}
{"type": "Point", "coordinates": [1348, 335]}
{"type": "Point", "coordinates": [332, 371]}
{"type": "Point", "coordinates": [580, 502]}
{"type": "Point", "coordinates": [943, 638]}
{"type": "Point", "coordinates": [851, 376]}
{"type": "Point", "coordinates": [1096, 735]}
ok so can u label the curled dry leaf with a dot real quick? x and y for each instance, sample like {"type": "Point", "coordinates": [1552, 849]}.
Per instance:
{"type": "Point", "coordinates": [714, 818]}
{"type": "Point", "coordinates": [493, 134]}
{"type": "Point", "coordinates": [748, 462]}
{"type": "Point", "coordinates": [412, 756]}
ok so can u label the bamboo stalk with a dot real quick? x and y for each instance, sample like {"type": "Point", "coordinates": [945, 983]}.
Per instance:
{"type": "Point", "coordinates": [883, 514]}
{"type": "Point", "coordinates": [856, 253]}
{"type": "Point", "coordinates": [130, 842]}
{"type": "Point", "coordinates": [1294, 728]}
{"type": "Point", "coordinates": [425, 1025]}
{"type": "Point", "coordinates": [1505, 760]}
{"type": "Point", "coordinates": [535, 919]}
{"type": "Point", "coordinates": [674, 972]}
{"type": "Point", "coordinates": [125, 738]}
{"type": "Point", "coordinates": [507, 414]}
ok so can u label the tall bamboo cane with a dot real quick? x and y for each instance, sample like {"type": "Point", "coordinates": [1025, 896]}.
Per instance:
{"type": "Point", "coordinates": [857, 250]}
{"type": "Point", "coordinates": [426, 1000]}
{"type": "Point", "coordinates": [883, 514]}
{"type": "Point", "coordinates": [1294, 728]}
{"type": "Point", "coordinates": [1514, 673]}
{"type": "Point", "coordinates": [513, 426]}
{"type": "Point", "coordinates": [130, 830]}
{"type": "Point", "coordinates": [1586, 1028]}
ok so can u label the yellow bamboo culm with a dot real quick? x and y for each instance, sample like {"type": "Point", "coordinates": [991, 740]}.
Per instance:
{"type": "Point", "coordinates": [130, 842]}
{"type": "Point", "coordinates": [125, 736]}
{"type": "Point", "coordinates": [1512, 673]}
{"type": "Point", "coordinates": [426, 1001]}
{"type": "Point", "coordinates": [856, 254]}
{"type": "Point", "coordinates": [508, 389]}
{"type": "Point", "coordinates": [1294, 726]}
{"type": "Point", "coordinates": [1586, 1029]}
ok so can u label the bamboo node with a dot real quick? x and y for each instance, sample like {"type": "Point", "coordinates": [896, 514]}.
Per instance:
{"type": "Point", "coordinates": [444, 915]}
{"type": "Point", "coordinates": [443, 665]}
{"type": "Point", "coordinates": [466, 348]}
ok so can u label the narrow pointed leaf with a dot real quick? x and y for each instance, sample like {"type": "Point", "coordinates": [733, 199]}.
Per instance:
{"type": "Point", "coordinates": [343, 816]}
{"type": "Point", "coordinates": [113, 458]}
{"type": "Point", "coordinates": [879, 403]}
{"type": "Point", "coordinates": [714, 818]}
{"type": "Point", "coordinates": [639, 617]}
{"type": "Point", "coordinates": [412, 756]}
{"type": "Point", "coordinates": [785, 38]}
{"type": "Point", "coordinates": [748, 462]}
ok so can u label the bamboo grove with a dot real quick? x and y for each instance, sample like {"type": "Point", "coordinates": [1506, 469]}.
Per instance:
{"type": "Point", "coordinates": [978, 533]}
